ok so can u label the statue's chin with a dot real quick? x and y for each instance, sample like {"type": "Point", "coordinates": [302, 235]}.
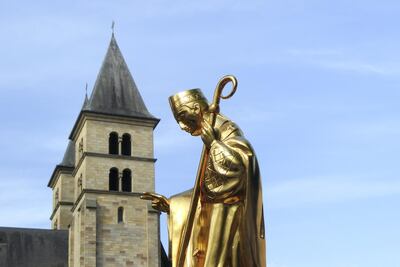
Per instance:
{"type": "Point", "coordinates": [195, 133]}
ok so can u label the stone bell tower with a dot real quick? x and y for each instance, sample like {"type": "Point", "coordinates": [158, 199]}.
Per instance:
{"type": "Point", "coordinates": [108, 163]}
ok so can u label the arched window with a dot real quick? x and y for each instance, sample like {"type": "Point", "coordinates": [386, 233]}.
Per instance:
{"type": "Point", "coordinates": [113, 143]}
{"type": "Point", "coordinates": [126, 145]}
{"type": "Point", "coordinates": [113, 179]}
{"type": "Point", "coordinates": [127, 180]}
{"type": "Point", "coordinates": [120, 215]}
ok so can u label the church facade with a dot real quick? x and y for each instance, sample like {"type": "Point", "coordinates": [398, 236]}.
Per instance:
{"type": "Point", "coordinates": [96, 188]}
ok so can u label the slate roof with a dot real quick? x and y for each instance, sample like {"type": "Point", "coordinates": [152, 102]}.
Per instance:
{"type": "Point", "coordinates": [24, 247]}
{"type": "Point", "coordinates": [69, 155]}
{"type": "Point", "coordinates": [115, 91]}
{"type": "Point", "coordinates": [20, 247]}
{"type": "Point", "coordinates": [67, 163]}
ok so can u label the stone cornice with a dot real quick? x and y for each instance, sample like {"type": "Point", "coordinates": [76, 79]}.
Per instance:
{"type": "Point", "coordinates": [56, 173]}
{"type": "Point", "coordinates": [106, 192]}
{"type": "Point", "coordinates": [102, 155]}
{"type": "Point", "coordinates": [60, 203]}
{"type": "Point", "coordinates": [86, 114]}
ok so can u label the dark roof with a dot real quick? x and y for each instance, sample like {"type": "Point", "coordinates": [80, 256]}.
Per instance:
{"type": "Point", "coordinates": [69, 155]}
{"type": "Point", "coordinates": [115, 91]}
{"type": "Point", "coordinates": [20, 247]}
{"type": "Point", "coordinates": [67, 163]}
{"type": "Point", "coordinates": [85, 103]}
{"type": "Point", "coordinates": [23, 247]}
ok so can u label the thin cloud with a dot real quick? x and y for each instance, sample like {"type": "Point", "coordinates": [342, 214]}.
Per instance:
{"type": "Point", "coordinates": [331, 189]}
{"type": "Point", "coordinates": [379, 128]}
{"type": "Point", "coordinates": [359, 67]}
{"type": "Point", "coordinates": [336, 59]}
{"type": "Point", "coordinates": [314, 52]}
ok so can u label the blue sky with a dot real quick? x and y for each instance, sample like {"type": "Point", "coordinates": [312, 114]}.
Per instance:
{"type": "Point", "coordinates": [318, 98]}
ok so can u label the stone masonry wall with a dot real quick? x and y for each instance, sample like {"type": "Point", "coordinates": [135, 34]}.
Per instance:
{"type": "Point", "coordinates": [97, 238]}
{"type": "Point", "coordinates": [65, 191]}
{"type": "Point", "coordinates": [132, 242]}
{"type": "Point", "coordinates": [67, 188]}
{"type": "Point", "coordinates": [99, 131]}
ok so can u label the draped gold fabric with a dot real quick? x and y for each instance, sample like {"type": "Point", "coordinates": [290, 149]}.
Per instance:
{"type": "Point", "coordinates": [228, 229]}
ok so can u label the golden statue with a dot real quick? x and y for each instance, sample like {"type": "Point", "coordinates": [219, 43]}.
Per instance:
{"type": "Point", "coordinates": [220, 222]}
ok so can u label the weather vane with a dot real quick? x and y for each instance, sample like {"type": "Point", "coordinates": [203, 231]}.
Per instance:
{"type": "Point", "coordinates": [112, 26]}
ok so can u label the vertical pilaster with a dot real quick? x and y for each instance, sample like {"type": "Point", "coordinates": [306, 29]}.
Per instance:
{"type": "Point", "coordinates": [89, 233]}
{"type": "Point", "coordinates": [71, 244]}
{"type": "Point", "coordinates": [153, 237]}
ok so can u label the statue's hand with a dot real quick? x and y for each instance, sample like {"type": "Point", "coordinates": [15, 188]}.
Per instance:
{"type": "Point", "coordinates": [158, 202]}
{"type": "Point", "coordinates": [207, 133]}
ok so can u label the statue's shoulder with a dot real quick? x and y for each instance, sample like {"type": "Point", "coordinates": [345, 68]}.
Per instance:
{"type": "Point", "coordinates": [231, 134]}
{"type": "Point", "coordinates": [227, 128]}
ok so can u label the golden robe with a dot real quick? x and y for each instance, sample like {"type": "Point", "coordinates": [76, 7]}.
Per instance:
{"type": "Point", "coordinates": [228, 229]}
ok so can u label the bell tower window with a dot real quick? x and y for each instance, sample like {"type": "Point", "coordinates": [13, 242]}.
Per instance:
{"type": "Point", "coordinates": [120, 215]}
{"type": "Point", "coordinates": [127, 180]}
{"type": "Point", "coordinates": [113, 144]}
{"type": "Point", "coordinates": [126, 145]}
{"type": "Point", "coordinates": [113, 179]}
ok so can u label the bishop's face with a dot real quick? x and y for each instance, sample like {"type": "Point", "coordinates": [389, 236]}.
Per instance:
{"type": "Point", "coordinates": [189, 118]}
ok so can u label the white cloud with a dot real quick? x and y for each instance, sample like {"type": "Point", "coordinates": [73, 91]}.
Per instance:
{"type": "Point", "coordinates": [329, 189]}
{"type": "Point", "coordinates": [381, 128]}
{"type": "Point", "coordinates": [359, 67]}
{"type": "Point", "coordinates": [336, 59]}
{"type": "Point", "coordinates": [314, 52]}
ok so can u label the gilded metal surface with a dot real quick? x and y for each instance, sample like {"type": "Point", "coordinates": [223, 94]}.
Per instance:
{"type": "Point", "coordinates": [220, 221]}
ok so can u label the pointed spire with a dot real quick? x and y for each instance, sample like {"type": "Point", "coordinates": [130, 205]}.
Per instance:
{"type": "Point", "coordinates": [115, 91]}
{"type": "Point", "coordinates": [69, 155]}
{"type": "Point", "coordinates": [86, 100]}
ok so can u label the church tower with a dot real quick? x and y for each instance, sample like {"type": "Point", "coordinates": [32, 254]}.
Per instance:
{"type": "Point", "coordinates": [108, 163]}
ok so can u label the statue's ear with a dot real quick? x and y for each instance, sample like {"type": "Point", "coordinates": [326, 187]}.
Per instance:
{"type": "Point", "coordinates": [196, 108]}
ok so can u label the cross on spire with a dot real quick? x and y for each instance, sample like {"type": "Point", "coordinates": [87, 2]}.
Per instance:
{"type": "Point", "coordinates": [112, 26]}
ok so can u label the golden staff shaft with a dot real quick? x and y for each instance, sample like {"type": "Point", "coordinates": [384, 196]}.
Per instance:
{"type": "Point", "coordinates": [214, 109]}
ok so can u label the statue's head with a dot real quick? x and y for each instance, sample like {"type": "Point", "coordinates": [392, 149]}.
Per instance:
{"type": "Point", "coordinates": [188, 108]}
